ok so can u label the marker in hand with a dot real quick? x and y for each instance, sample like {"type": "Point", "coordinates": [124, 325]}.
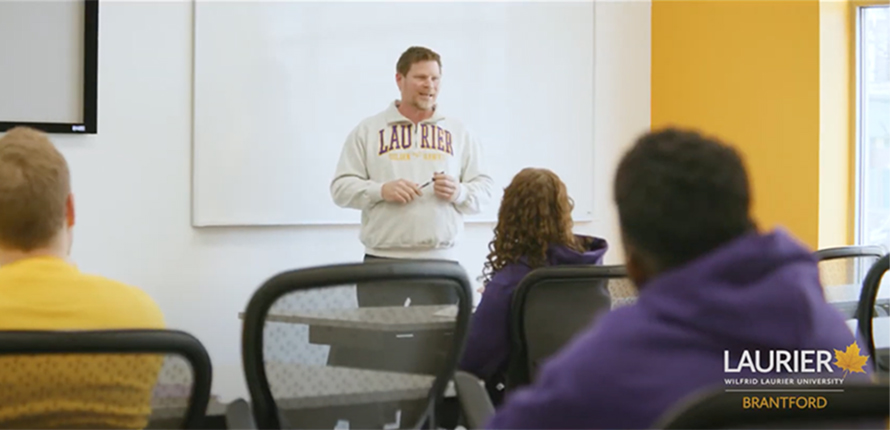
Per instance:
{"type": "Point", "coordinates": [429, 182]}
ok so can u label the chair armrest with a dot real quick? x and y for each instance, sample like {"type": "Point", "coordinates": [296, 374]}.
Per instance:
{"type": "Point", "coordinates": [474, 401]}
{"type": "Point", "coordinates": [239, 415]}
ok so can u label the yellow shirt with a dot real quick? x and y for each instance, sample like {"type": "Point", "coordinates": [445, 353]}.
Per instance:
{"type": "Point", "coordinates": [70, 391]}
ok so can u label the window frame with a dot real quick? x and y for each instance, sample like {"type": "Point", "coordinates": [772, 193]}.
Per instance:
{"type": "Point", "coordinates": [857, 9]}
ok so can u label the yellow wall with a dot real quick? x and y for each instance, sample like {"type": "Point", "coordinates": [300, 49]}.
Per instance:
{"type": "Point", "coordinates": [748, 71]}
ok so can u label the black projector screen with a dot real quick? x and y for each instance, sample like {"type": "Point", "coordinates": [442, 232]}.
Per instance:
{"type": "Point", "coordinates": [49, 65]}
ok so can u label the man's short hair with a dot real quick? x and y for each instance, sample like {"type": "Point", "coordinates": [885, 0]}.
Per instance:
{"type": "Point", "coordinates": [413, 55]}
{"type": "Point", "coordinates": [680, 195]}
{"type": "Point", "coordinates": [34, 186]}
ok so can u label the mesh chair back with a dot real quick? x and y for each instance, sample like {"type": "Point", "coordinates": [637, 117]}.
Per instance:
{"type": "Point", "coordinates": [842, 271]}
{"type": "Point", "coordinates": [103, 379]}
{"type": "Point", "coordinates": [553, 304]}
{"type": "Point", "coordinates": [315, 359]}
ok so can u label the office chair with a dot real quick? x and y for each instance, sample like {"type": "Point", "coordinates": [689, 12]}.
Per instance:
{"type": "Point", "coordinates": [867, 311]}
{"type": "Point", "coordinates": [550, 306]}
{"type": "Point", "coordinates": [103, 379]}
{"type": "Point", "coordinates": [842, 269]}
{"type": "Point", "coordinates": [302, 329]}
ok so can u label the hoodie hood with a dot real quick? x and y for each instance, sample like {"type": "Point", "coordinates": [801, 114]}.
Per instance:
{"type": "Point", "coordinates": [756, 290]}
{"type": "Point", "coordinates": [593, 253]}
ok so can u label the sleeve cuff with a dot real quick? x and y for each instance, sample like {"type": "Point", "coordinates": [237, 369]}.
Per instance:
{"type": "Point", "coordinates": [375, 192]}
{"type": "Point", "coordinates": [461, 195]}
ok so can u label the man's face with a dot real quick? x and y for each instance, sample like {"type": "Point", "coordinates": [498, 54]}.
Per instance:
{"type": "Point", "coordinates": [421, 86]}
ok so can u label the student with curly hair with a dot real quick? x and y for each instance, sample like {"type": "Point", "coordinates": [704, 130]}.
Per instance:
{"type": "Point", "coordinates": [534, 229]}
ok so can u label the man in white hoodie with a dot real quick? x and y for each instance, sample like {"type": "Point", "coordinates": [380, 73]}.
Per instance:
{"type": "Point", "coordinates": [412, 171]}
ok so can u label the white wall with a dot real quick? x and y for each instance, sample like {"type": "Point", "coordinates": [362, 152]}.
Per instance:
{"type": "Point", "coordinates": [132, 180]}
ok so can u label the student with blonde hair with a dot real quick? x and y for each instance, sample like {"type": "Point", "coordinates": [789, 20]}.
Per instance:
{"type": "Point", "coordinates": [534, 230]}
{"type": "Point", "coordinates": [40, 289]}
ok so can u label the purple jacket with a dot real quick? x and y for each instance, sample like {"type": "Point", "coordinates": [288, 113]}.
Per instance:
{"type": "Point", "coordinates": [488, 342]}
{"type": "Point", "coordinates": [761, 291]}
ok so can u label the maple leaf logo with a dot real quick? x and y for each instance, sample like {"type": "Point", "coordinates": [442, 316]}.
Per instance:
{"type": "Point", "coordinates": [850, 360]}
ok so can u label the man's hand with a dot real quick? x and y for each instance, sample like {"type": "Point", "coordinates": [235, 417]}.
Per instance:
{"type": "Point", "coordinates": [445, 186]}
{"type": "Point", "coordinates": [400, 191]}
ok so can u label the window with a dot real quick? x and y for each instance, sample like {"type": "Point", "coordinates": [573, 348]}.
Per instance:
{"type": "Point", "coordinates": [873, 144]}
{"type": "Point", "coordinates": [873, 125]}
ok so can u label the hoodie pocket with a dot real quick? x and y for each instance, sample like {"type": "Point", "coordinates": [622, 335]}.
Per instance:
{"type": "Point", "coordinates": [425, 223]}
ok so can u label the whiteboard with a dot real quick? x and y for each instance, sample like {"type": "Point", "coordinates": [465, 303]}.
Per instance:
{"type": "Point", "coordinates": [279, 85]}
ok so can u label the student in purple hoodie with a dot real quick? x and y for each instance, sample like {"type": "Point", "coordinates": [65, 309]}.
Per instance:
{"type": "Point", "coordinates": [709, 282]}
{"type": "Point", "coordinates": [534, 229]}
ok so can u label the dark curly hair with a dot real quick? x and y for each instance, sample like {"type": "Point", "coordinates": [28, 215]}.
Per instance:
{"type": "Point", "coordinates": [535, 213]}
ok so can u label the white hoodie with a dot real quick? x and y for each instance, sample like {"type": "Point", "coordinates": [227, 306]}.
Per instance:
{"type": "Point", "coordinates": [388, 146]}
